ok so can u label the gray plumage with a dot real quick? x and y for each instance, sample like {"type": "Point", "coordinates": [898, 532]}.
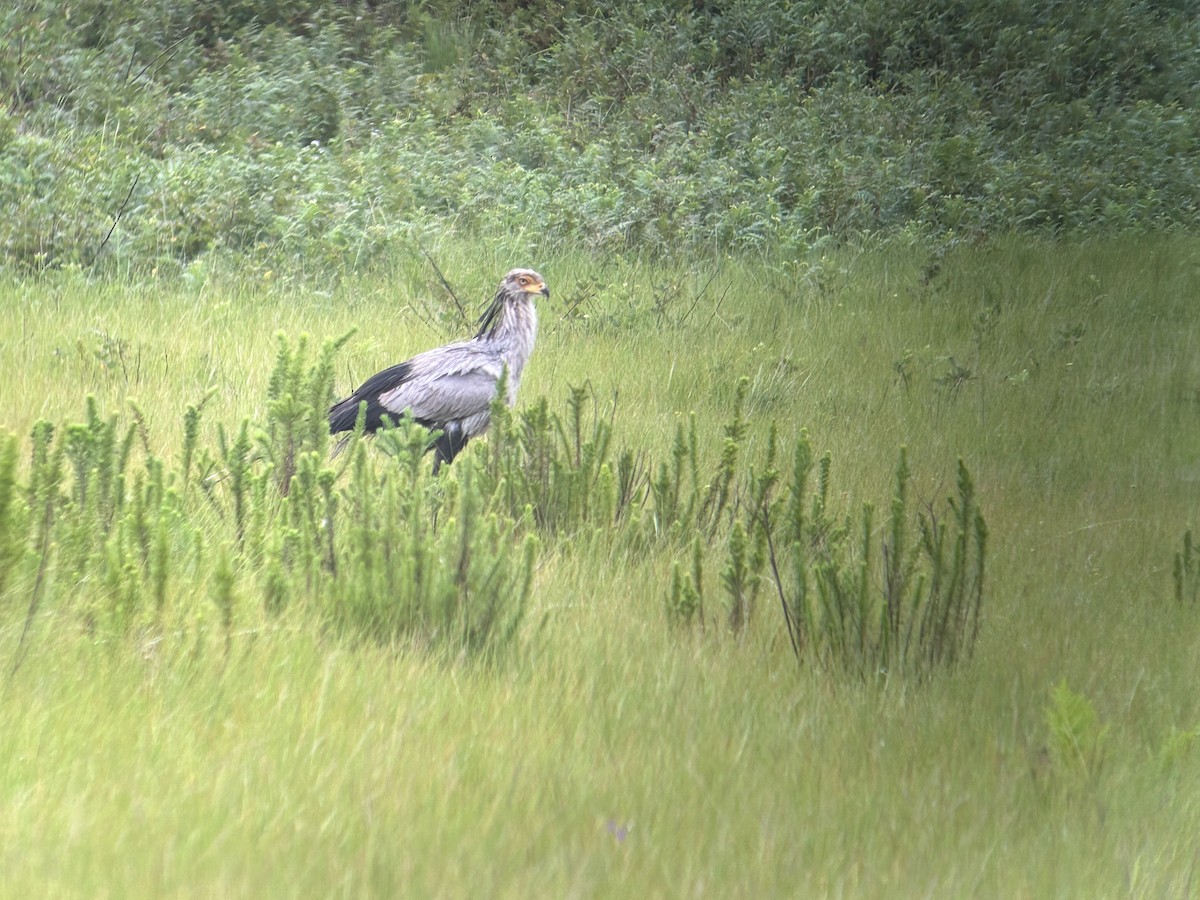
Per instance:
{"type": "Point", "coordinates": [450, 389]}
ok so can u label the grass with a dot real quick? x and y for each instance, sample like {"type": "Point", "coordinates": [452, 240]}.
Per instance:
{"type": "Point", "coordinates": [616, 754]}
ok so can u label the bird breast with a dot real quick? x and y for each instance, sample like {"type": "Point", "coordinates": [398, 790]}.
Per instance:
{"type": "Point", "coordinates": [512, 339]}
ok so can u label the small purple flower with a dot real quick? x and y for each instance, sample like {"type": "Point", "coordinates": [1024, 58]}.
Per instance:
{"type": "Point", "coordinates": [619, 832]}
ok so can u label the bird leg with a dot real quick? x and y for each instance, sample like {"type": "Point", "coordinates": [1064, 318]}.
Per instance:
{"type": "Point", "coordinates": [448, 445]}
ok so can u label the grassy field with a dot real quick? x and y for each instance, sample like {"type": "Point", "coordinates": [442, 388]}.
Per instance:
{"type": "Point", "coordinates": [614, 754]}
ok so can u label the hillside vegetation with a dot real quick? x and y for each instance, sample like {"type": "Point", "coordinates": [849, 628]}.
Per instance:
{"type": "Point", "coordinates": [317, 136]}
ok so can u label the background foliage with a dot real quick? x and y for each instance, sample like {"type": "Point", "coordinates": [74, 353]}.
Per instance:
{"type": "Point", "coordinates": [318, 134]}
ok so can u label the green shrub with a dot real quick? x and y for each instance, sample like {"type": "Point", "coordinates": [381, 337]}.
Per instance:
{"type": "Point", "coordinates": [319, 135]}
{"type": "Point", "coordinates": [915, 611]}
{"type": "Point", "coordinates": [1186, 572]}
{"type": "Point", "coordinates": [12, 524]}
{"type": "Point", "coordinates": [460, 581]}
{"type": "Point", "coordinates": [372, 544]}
{"type": "Point", "coordinates": [910, 612]}
{"type": "Point", "coordinates": [379, 552]}
{"type": "Point", "coordinates": [1076, 737]}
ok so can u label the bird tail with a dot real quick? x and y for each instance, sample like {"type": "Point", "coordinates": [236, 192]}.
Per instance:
{"type": "Point", "coordinates": [343, 415]}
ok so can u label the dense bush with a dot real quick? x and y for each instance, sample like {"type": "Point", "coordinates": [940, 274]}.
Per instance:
{"type": "Point", "coordinates": [323, 132]}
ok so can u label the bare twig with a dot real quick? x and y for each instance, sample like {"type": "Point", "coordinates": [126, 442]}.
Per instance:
{"type": "Point", "coordinates": [36, 594]}
{"type": "Point", "coordinates": [700, 295]}
{"type": "Point", "coordinates": [169, 49]}
{"type": "Point", "coordinates": [717, 307]}
{"type": "Point", "coordinates": [584, 294]}
{"type": "Point", "coordinates": [129, 67]}
{"type": "Point", "coordinates": [788, 618]}
{"type": "Point", "coordinates": [462, 311]}
{"type": "Point", "coordinates": [117, 217]}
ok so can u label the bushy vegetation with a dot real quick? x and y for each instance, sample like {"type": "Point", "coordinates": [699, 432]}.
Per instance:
{"type": "Point", "coordinates": [318, 136]}
{"type": "Point", "coordinates": [372, 546]}
{"type": "Point", "coordinates": [260, 522]}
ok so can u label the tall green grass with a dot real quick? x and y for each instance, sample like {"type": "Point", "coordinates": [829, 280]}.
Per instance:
{"type": "Point", "coordinates": [237, 735]}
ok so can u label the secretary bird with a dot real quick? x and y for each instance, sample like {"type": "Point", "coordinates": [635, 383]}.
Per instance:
{"type": "Point", "coordinates": [450, 389]}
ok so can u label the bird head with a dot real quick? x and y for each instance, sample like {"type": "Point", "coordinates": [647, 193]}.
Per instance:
{"type": "Point", "coordinates": [517, 286]}
{"type": "Point", "coordinates": [527, 281]}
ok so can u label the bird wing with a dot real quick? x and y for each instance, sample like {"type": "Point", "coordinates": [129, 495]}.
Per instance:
{"type": "Point", "coordinates": [451, 382]}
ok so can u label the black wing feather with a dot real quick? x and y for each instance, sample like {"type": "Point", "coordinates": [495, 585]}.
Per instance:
{"type": "Point", "coordinates": [344, 413]}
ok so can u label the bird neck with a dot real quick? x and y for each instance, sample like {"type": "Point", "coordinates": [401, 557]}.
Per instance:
{"type": "Point", "coordinates": [513, 334]}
